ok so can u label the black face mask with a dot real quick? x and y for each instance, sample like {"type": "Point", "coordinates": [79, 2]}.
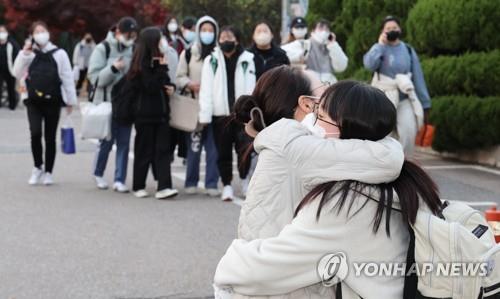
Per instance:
{"type": "Point", "coordinates": [88, 40]}
{"type": "Point", "coordinates": [393, 35]}
{"type": "Point", "coordinates": [227, 47]}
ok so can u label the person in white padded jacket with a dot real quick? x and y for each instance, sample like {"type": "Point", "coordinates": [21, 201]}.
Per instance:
{"type": "Point", "coordinates": [348, 216]}
{"type": "Point", "coordinates": [292, 160]}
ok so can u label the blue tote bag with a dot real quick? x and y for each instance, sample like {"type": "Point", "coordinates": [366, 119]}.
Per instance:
{"type": "Point", "coordinates": [68, 137]}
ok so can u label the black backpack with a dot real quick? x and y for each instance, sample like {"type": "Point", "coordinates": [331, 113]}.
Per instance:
{"type": "Point", "coordinates": [43, 80]}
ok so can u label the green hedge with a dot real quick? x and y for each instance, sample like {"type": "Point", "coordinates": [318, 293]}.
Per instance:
{"type": "Point", "coordinates": [465, 122]}
{"type": "Point", "coordinates": [469, 74]}
{"type": "Point", "coordinates": [454, 26]}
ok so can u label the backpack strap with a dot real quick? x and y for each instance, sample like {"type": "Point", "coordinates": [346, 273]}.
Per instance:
{"type": "Point", "coordinates": [107, 51]}
{"type": "Point", "coordinates": [107, 48]}
{"type": "Point", "coordinates": [188, 56]}
{"type": "Point", "coordinates": [411, 281]}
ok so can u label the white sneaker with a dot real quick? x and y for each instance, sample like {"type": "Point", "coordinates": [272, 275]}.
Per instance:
{"type": "Point", "coordinates": [212, 192]}
{"type": "Point", "coordinates": [141, 193]}
{"type": "Point", "coordinates": [36, 175]}
{"type": "Point", "coordinates": [48, 179]}
{"type": "Point", "coordinates": [244, 186]}
{"type": "Point", "coordinates": [120, 187]}
{"type": "Point", "coordinates": [101, 183]}
{"type": "Point", "coordinates": [166, 193]}
{"type": "Point", "coordinates": [227, 193]}
{"type": "Point", "coordinates": [191, 190]}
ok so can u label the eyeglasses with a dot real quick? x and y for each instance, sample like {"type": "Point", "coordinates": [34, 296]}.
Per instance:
{"type": "Point", "coordinates": [317, 117]}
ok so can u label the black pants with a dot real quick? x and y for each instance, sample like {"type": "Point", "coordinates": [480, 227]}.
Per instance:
{"type": "Point", "coordinates": [152, 149]}
{"type": "Point", "coordinates": [228, 134]}
{"type": "Point", "coordinates": [178, 139]}
{"type": "Point", "coordinates": [11, 89]}
{"type": "Point", "coordinates": [81, 79]}
{"type": "Point", "coordinates": [46, 115]}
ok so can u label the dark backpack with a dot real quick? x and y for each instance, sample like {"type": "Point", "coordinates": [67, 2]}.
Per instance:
{"type": "Point", "coordinates": [93, 88]}
{"type": "Point", "coordinates": [122, 102]}
{"type": "Point", "coordinates": [43, 81]}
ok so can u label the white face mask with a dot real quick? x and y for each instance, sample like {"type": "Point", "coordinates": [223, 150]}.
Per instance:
{"type": "Point", "coordinates": [126, 42]}
{"type": "Point", "coordinates": [189, 36]}
{"type": "Point", "coordinates": [321, 36]}
{"type": "Point", "coordinates": [3, 36]}
{"type": "Point", "coordinates": [315, 129]}
{"type": "Point", "coordinates": [42, 38]}
{"type": "Point", "coordinates": [163, 45]}
{"type": "Point", "coordinates": [263, 39]}
{"type": "Point", "coordinates": [172, 27]}
{"type": "Point", "coordinates": [207, 38]}
{"type": "Point", "coordinates": [299, 33]}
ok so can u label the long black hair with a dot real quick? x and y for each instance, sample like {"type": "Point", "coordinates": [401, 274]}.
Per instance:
{"type": "Point", "coordinates": [364, 112]}
{"type": "Point", "coordinates": [146, 48]}
{"type": "Point", "coordinates": [167, 33]}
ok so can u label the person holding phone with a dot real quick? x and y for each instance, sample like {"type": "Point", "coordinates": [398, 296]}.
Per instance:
{"type": "Point", "coordinates": [391, 59]}
{"type": "Point", "coordinates": [48, 78]}
{"type": "Point", "coordinates": [108, 64]}
{"type": "Point", "coordinates": [323, 54]}
{"type": "Point", "coordinates": [148, 88]}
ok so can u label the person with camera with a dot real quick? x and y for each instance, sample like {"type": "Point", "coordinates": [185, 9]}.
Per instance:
{"type": "Point", "coordinates": [399, 74]}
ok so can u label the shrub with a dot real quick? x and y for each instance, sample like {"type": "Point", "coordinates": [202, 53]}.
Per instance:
{"type": "Point", "coordinates": [469, 74]}
{"type": "Point", "coordinates": [454, 26]}
{"type": "Point", "coordinates": [464, 122]}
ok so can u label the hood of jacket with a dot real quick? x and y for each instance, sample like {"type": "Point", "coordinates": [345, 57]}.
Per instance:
{"type": "Point", "coordinates": [202, 20]}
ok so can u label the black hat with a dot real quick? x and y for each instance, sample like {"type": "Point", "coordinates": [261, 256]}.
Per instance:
{"type": "Point", "coordinates": [128, 24]}
{"type": "Point", "coordinates": [298, 22]}
{"type": "Point", "coordinates": [189, 22]}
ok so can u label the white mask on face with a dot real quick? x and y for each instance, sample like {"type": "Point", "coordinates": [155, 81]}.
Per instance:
{"type": "Point", "coordinates": [3, 36]}
{"type": "Point", "coordinates": [126, 42]}
{"type": "Point", "coordinates": [172, 27]}
{"type": "Point", "coordinates": [315, 129]}
{"type": "Point", "coordinates": [189, 36]}
{"type": "Point", "coordinates": [42, 38]}
{"type": "Point", "coordinates": [321, 36]}
{"type": "Point", "coordinates": [299, 33]}
{"type": "Point", "coordinates": [263, 39]}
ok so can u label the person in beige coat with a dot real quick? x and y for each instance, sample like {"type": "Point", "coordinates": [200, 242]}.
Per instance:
{"type": "Point", "coordinates": [340, 215]}
{"type": "Point", "coordinates": [188, 80]}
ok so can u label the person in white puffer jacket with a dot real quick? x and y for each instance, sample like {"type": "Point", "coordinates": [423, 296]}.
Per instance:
{"type": "Point", "coordinates": [348, 216]}
{"type": "Point", "coordinates": [292, 160]}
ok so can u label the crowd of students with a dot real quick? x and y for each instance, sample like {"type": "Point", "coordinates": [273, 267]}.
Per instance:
{"type": "Point", "coordinates": [199, 59]}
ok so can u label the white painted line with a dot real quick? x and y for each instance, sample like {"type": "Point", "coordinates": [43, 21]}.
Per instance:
{"type": "Point", "coordinates": [475, 167]}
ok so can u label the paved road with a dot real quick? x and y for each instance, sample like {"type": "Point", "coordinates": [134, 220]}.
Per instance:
{"type": "Point", "coordinates": [73, 241]}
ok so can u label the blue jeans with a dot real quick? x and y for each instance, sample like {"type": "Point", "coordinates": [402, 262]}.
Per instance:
{"type": "Point", "coordinates": [196, 141]}
{"type": "Point", "coordinates": [121, 135]}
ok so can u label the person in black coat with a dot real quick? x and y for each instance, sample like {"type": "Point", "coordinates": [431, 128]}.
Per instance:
{"type": "Point", "coordinates": [148, 88]}
{"type": "Point", "coordinates": [9, 49]}
{"type": "Point", "coordinates": [266, 54]}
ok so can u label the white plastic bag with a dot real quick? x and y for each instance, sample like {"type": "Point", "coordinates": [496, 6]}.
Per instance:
{"type": "Point", "coordinates": [96, 120]}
